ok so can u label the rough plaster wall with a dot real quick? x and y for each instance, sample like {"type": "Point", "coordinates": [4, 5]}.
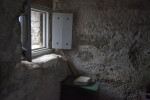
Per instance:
{"type": "Point", "coordinates": [10, 40]}
{"type": "Point", "coordinates": [111, 44]}
{"type": "Point", "coordinates": [10, 46]}
{"type": "Point", "coordinates": [10, 10]}
{"type": "Point", "coordinates": [35, 81]}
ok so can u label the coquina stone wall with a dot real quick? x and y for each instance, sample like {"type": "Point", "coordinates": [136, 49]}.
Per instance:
{"type": "Point", "coordinates": [111, 44]}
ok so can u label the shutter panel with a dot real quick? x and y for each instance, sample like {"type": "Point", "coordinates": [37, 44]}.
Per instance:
{"type": "Point", "coordinates": [62, 30]}
{"type": "Point", "coordinates": [26, 30]}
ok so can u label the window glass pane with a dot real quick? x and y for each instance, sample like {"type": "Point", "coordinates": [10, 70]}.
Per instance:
{"type": "Point", "coordinates": [37, 24]}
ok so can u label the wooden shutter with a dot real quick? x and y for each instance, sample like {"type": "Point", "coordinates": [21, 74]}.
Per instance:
{"type": "Point", "coordinates": [26, 30]}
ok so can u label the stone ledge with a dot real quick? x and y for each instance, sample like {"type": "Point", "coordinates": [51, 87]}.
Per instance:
{"type": "Point", "coordinates": [43, 61]}
{"type": "Point", "coordinates": [38, 79]}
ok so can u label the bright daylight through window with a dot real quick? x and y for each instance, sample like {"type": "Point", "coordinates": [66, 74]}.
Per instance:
{"type": "Point", "coordinates": [39, 29]}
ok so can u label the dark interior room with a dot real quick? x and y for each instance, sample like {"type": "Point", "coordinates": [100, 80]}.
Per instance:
{"type": "Point", "coordinates": [74, 49]}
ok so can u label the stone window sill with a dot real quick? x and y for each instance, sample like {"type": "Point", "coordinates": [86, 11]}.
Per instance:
{"type": "Point", "coordinates": [40, 52]}
{"type": "Point", "coordinates": [43, 61]}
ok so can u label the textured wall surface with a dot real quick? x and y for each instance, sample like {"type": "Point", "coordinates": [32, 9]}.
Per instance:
{"type": "Point", "coordinates": [10, 29]}
{"type": "Point", "coordinates": [10, 39]}
{"type": "Point", "coordinates": [10, 11]}
{"type": "Point", "coordinates": [36, 81]}
{"type": "Point", "coordinates": [111, 44]}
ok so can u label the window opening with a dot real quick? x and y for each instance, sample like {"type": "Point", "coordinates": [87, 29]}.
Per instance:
{"type": "Point", "coordinates": [37, 29]}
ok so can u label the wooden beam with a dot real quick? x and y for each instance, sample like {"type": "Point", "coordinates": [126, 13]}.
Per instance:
{"type": "Point", "coordinates": [45, 3]}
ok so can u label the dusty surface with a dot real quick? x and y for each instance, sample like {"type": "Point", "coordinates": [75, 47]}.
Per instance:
{"type": "Point", "coordinates": [111, 44]}
{"type": "Point", "coordinates": [38, 80]}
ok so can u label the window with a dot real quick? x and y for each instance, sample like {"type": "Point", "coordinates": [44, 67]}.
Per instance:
{"type": "Point", "coordinates": [34, 31]}
{"type": "Point", "coordinates": [39, 31]}
{"type": "Point", "coordinates": [39, 28]}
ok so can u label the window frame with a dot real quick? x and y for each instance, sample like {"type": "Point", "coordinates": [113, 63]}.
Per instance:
{"type": "Point", "coordinates": [46, 39]}
{"type": "Point", "coordinates": [25, 24]}
{"type": "Point", "coordinates": [44, 33]}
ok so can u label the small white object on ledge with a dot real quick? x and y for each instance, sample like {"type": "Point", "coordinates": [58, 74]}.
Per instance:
{"type": "Point", "coordinates": [82, 80]}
